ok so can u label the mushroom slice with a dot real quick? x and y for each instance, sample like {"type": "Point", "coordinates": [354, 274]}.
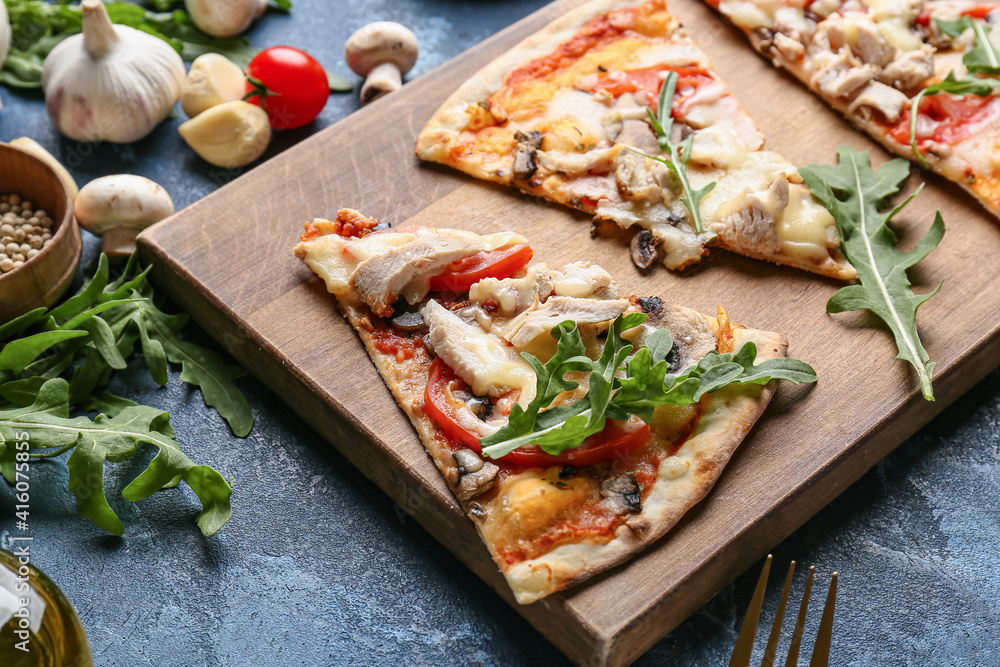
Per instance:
{"type": "Point", "coordinates": [623, 493]}
{"type": "Point", "coordinates": [473, 484]}
{"type": "Point", "coordinates": [645, 248]}
{"type": "Point", "coordinates": [524, 158]}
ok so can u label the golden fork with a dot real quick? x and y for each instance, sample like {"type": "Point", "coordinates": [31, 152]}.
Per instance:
{"type": "Point", "coordinates": [748, 631]}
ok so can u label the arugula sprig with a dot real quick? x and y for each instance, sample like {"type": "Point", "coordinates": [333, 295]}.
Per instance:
{"type": "Point", "coordinates": [970, 84]}
{"type": "Point", "coordinates": [859, 198]}
{"type": "Point", "coordinates": [646, 384]}
{"type": "Point", "coordinates": [56, 361]}
{"type": "Point", "coordinates": [680, 153]}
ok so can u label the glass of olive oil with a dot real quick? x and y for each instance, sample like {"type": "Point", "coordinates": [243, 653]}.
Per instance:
{"type": "Point", "coordinates": [36, 616]}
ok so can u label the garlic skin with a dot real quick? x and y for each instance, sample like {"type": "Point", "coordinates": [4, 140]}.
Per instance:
{"type": "Point", "coordinates": [230, 135]}
{"type": "Point", "coordinates": [110, 83]}
{"type": "Point", "coordinates": [213, 79]}
{"type": "Point", "coordinates": [5, 36]}
{"type": "Point", "coordinates": [224, 18]}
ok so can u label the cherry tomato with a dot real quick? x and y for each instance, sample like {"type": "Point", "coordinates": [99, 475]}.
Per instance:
{"type": "Point", "coordinates": [463, 274]}
{"type": "Point", "coordinates": [613, 441]}
{"type": "Point", "coordinates": [293, 84]}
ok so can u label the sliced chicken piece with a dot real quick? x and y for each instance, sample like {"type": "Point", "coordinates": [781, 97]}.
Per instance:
{"type": "Point", "coordinates": [536, 322]}
{"type": "Point", "coordinates": [786, 47]}
{"type": "Point", "coordinates": [334, 258]}
{"type": "Point", "coordinates": [879, 97]}
{"type": "Point", "coordinates": [381, 279]}
{"type": "Point", "coordinates": [600, 161]}
{"type": "Point", "coordinates": [752, 217]}
{"type": "Point", "coordinates": [633, 179]}
{"type": "Point", "coordinates": [488, 366]}
{"type": "Point", "coordinates": [639, 135]}
{"type": "Point", "coordinates": [909, 69]}
{"type": "Point", "coordinates": [584, 280]}
{"type": "Point", "coordinates": [872, 46]}
{"type": "Point", "coordinates": [842, 76]}
{"type": "Point", "coordinates": [512, 295]}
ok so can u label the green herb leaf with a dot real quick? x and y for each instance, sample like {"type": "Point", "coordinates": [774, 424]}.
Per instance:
{"type": "Point", "coordinates": [983, 57]}
{"type": "Point", "coordinates": [680, 154]}
{"type": "Point", "coordinates": [114, 439]}
{"type": "Point", "coordinates": [644, 386]}
{"type": "Point", "coordinates": [858, 196]}
{"type": "Point", "coordinates": [18, 354]}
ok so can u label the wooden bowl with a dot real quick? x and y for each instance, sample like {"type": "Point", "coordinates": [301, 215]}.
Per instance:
{"type": "Point", "coordinates": [46, 276]}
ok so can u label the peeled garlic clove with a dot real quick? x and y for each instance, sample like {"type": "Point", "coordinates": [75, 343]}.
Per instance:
{"type": "Point", "coordinates": [213, 79]}
{"type": "Point", "coordinates": [118, 207]}
{"type": "Point", "coordinates": [230, 135]}
{"type": "Point", "coordinates": [33, 147]}
{"type": "Point", "coordinates": [224, 19]}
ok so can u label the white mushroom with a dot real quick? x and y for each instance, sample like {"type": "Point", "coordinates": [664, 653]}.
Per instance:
{"type": "Point", "coordinates": [382, 52]}
{"type": "Point", "coordinates": [118, 207]}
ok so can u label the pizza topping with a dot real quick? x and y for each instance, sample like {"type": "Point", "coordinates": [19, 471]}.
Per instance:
{"type": "Point", "coordinates": [475, 483]}
{"type": "Point", "coordinates": [645, 248]}
{"type": "Point", "coordinates": [334, 258]}
{"type": "Point", "coordinates": [645, 385]}
{"type": "Point", "coordinates": [463, 274]}
{"type": "Point", "coordinates": [408, 320]}
{"type": "Point", "coordinates": [622, 493]}
{"type": "Point", "coordinates": [533, 324]}
{"type": "Point", "coordinates": [511, 295]}
{"type": "Point", "coordinates": [888, 102]}
{"type": "Point", "coordinates": [524, 156]}
{"type": "Point", "coordinates": [467, 461]}
{"type": "Point", "coordinates": [584, 280]}
{"type": "Point", "coordinates": [480, 360]}
{"type": "Point", "coordinates": [909, 69]}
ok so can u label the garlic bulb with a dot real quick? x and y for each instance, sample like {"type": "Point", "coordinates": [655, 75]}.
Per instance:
{"type": "Point", "coordinates": [224, 18]}
{"type": "Point", "coordinates": [111, 83]}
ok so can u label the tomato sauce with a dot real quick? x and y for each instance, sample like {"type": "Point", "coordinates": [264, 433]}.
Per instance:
{"type": "Point", "coordinates": [978, 11]}
{"type": "Point", "coordinates": [956, 118]}
{"type": "Point", "coordinates": [389, 340]}
{"type": "Point", "coordinates": [567, 532]}
{"type": "Point", "coordinates": [595, 33]}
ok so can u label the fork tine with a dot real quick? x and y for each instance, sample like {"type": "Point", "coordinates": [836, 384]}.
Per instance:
{"type": "Point", "coordinates": [744, 643]}
{"type": "Point", "coordinates": [793, 649]}
{"type": "Point", "coordinates": [772, 640]}
{"type": "Point", "coordinates": [821, 650]}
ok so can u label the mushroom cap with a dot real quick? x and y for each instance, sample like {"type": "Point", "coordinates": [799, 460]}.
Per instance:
{"type": "Point", "coordinates": [379, 43]}
{"type": "Point", "coordinates": [123, 200]}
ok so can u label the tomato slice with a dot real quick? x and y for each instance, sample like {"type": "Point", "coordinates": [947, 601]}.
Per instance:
{"type": "Point", "coordinates": [646, 83]}
{"type": "Point", "coordinates": [439, 409]}
{"type": "Point", "coordinates": [612, 442]}
{"type": "Point", "coordinates": [957, 118]}
{"type": "Point", "coordinates": [463, 274]}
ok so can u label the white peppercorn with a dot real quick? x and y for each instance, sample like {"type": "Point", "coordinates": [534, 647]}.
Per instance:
{"type": "Point", "coordinates": [24, 232]}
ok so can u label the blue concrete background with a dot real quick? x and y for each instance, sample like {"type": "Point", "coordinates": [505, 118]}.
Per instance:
{"type": "Point", "coordinates": [318, 567]}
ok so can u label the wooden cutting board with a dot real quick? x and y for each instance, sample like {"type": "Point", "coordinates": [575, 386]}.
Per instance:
{"type": "Point", "coordinates": [227, 259]}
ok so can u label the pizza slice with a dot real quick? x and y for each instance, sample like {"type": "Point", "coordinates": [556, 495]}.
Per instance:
{"type": "Point", "coordinates": [578, 114]}
{"type": "Point", "coordinates": [574, 425]}
{"type": "Point", "coordinates": [874, 60]}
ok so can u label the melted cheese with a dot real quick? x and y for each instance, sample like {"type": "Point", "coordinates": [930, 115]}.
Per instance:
{"type": "Point", "coordinates": [803, 226]}
{"type": "Point", "coordinates": [334, 258]}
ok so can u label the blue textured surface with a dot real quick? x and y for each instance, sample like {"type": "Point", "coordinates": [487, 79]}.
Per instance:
{"type": "Point", "coordinates": [318, 567]}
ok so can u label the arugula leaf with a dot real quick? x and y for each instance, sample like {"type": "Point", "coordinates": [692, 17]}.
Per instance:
{"type": "Point", "coordinates": [337, 83]}
{"type": "Point", "coordinates": [84, 340]}
{"type": "Point", "coordinates": [983, 57]}
{"type": "Point", "coordinates": [114, 439]}
{"type": "Point", "coordinates": [644, 386]}
{"type": "Point", "coordinates": [680, 154]}
{"type": "Point", "coordinates": [858, 197]}
{"type": "Point", "coordinates": [970, 84]}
